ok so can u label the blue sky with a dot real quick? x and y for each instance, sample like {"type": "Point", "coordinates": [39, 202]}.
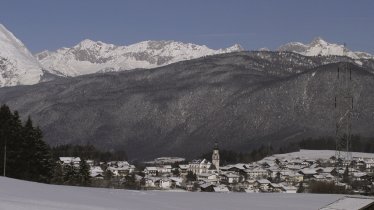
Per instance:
{"type": "Point", "coordinates": [51, 24]}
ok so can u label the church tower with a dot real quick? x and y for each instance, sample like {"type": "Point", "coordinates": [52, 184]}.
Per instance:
{"type": "Point", "coordinates": [215, 156]}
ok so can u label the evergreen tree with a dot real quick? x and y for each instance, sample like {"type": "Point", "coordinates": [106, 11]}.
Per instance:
{"type": "Point", "coordinates": [27, 156]}
{"type": "Point", "coordinates": [10, 135]}
{"type": "Point", "coordinates": [84, 173]}
{"type": "Point", "coordinates": [58, 174]}
{"type": "Point", "coordinates": [346, 175]}
{"type": "Point", "coordinates": [108, 175]}
{"type": "Point", "coordinates": [301, 188]}
{"type": "Point", "coordinates": [70, 174]}
{"type": "Point", "coordinates": [191, 176]}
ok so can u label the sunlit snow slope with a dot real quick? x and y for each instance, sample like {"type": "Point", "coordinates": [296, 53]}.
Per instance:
{"type": "Point", "coordinates": [22, 195]}
{"type": "Point", "coordinates": [89, 56]}
{"type": "Point", "coordinates": [17, 65]}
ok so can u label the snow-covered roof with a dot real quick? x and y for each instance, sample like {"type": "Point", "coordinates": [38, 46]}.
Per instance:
{"type": "Point", "coordinates": [205, 185]}
{"type": "Point", "coordinates": [359, 174]}
{"type": "Point", "coordinates": [231, 175]}
{"type": "Point", "coordinates": [151, 168]}
{"type": "Point", "coordinates": [308, 171]}
{"type": "Point", "coordinates": [70, 159]}
{"type": "Point", "coordinates": [275, 185]}
{"type": "Point", "coordinates": [221, 188]}
{"type": "Point", "coordinates": [327, 169]}
{"type": "Point", "coordinates": [183, 166]}
{"type": "Point", "coordinates": [263, 181]}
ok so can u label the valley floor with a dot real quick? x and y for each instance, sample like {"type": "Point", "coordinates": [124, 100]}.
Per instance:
{"type": "Point", "coordinates": [22, 195]}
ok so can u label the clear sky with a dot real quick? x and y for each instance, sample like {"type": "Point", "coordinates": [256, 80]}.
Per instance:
{"type": "Point", "coordinates": [52, 24]}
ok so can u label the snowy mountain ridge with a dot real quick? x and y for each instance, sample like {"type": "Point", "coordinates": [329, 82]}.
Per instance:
{"type": "Point", "coordinates": [319, 47]}
{"type": "Point", "coordinates": [17, 64]}
{"type": "Point", "coordinates": [89, 57]}
{"type": "Point", "coordinates": [19, 67]}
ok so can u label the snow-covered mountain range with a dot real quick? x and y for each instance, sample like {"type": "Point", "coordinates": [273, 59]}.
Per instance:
{"type": "Point", "coordinates": [89, 56]}
{"type": "Point", "coordinates": [17, 64]}
{"type": "Point", "coordinates": [19, 67]}
{"type": "Point", "coordinates": [319, 47]}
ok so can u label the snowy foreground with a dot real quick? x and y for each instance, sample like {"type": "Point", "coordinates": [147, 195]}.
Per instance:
{"type": "Point", "coordinates": [20, 195]}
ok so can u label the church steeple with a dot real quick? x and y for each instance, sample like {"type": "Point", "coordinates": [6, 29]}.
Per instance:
{"type": "Point", "coordinates": [215, 145]}
{"type": "Point", "coordinates": [215, 156]}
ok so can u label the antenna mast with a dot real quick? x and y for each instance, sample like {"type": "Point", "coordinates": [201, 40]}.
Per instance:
{"type": "Point", "coordinates": [343, 114]}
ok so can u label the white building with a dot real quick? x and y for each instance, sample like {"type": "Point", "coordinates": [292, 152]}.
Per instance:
{"type": "Point", "coordinates": [70, 160]}
{"type": "Point", "coordinates": [199, 166]}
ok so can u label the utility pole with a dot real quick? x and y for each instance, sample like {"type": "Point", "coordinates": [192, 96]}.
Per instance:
{"type": "Point", "coordinates": [4, 159]}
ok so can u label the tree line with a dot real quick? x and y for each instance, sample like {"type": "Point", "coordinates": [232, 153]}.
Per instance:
{"type": "Point", "coordinates": [87, 152]}
{"type": "Point", "coordinates": [24, 154]}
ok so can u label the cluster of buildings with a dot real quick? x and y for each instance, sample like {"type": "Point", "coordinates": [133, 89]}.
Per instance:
{"type": "Point", "coordinates": [271, 174]}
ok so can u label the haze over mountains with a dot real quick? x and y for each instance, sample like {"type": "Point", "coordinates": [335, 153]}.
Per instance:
{"type": "Point", "coordinates": [241, 99]}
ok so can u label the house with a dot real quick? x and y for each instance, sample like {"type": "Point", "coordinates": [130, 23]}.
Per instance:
{"type": "Point", "coordinates": [256, 173]}
{"type": "Point", "coordinates": [96, 172]}
{"type": "Point", "coordinates": [359, 176]}
{"type": "Point", "coordinates": [164, 169]}
{"type": "Point", "coordinates": [208, 178]}
{"type": "Point", "coordinates": [183, 169]}
{"type": "Point", "coordinates": [288, 188]}
{"type": "Point", "coordinates": [369, 164]}
{"type": "Point", "coordinates": [275, 187]}
{"type": "Point", "coordinates": [221, 189]}
{"type": "Point", "coordinates": [291, 177]}
{"type": "Point", "coordinates": [166, 160]}
{"type": "Point", "coordinates": [151, 171]}
{"type": "Point", "coordinates": [308, 173]}
{"type": "Point", "coordinates": [163, 183]}
{"type": "Point", "coordinates": [207, 187]}
{"type": "Point", "coordinates": [262, 185]}
{"type": "Point", "coordinates": [176, 181]}
{"type": "Point", "coordinates": [239, 168]}
{"type": "Point", "coordinates": [249, 184]}
{"type": "Point", "coordinates": [149, 182]}
{"type": "Point", "coordinates": [230, 177]}
{"type": "Point", "coordinates": [199, 166]}
{"type": "Point", "coordinates": [90, 162]}
{"type": "Point", "coordinates": [327, 170]}
{"type": "Point", "coordinates": [70, 160]}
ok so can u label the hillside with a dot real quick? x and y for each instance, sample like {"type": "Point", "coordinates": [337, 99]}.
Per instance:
{"type": "Point", "coordinates": [240, 99]}
{"type": "Point", "coordinates": [22, 195]}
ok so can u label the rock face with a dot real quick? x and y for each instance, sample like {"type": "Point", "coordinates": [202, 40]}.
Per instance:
{"type": "Point", "coordinates": [240, 99]}
{"type": "Point", "coordinates": [89, 56]}
{"type": "Point", "coordinates": [17, 65]}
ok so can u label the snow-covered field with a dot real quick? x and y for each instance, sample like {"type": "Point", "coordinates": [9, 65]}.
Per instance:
{"type": "Point", "coordinates": [318, 154]}
{"type": "Point", "coordinates": [20, 195]}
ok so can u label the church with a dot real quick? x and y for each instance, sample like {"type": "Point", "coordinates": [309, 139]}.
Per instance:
{"type": "Point", "coordinates": [204, 166]}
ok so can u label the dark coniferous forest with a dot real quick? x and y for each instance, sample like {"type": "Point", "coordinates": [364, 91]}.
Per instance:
{"type": "Point", "coordinates": [27, 156]}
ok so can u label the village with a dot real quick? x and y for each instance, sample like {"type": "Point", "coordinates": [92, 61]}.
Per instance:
{"type": "Point", "coordinates": [276, 174]}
